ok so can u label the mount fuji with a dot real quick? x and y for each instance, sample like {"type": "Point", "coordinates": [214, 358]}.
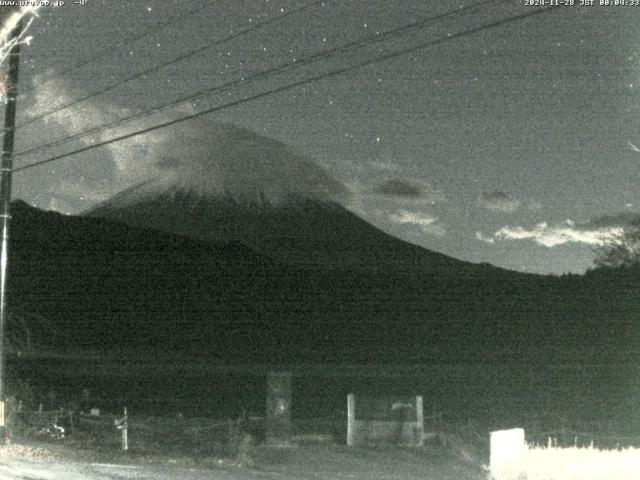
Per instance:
{"type": "Point", "coordinates": [239, 186]}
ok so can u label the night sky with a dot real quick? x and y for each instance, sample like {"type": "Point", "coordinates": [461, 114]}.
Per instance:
{"type": "Point", "coordinates": [517, 145]}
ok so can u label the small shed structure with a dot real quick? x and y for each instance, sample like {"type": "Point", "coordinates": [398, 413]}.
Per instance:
{"type": "Point", "coordinates": [385, 420]}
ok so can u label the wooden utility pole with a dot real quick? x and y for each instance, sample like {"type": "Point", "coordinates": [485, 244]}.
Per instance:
{"type": "Point", "coordinates": [6, 167]}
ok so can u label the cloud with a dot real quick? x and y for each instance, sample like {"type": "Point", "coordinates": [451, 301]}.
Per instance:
{"type": "Point", "coordinates": [76, 190]}
{"type": "Point", "coordinates": [71, 184]}
{"type": "Point", "coordinates": [558, 235]}
{"type": "Point", "coordinates": [404, 216]}
{"type": "Point", "coordinates": [498, 202]}
{"type": "Point", "coordinates": [56, 204]}
{"type": "Point", "coordinates": [413, 191]}
{"type": "Point", "coordinates": [485, 238]}
{"type": "Point", "coordinates": [398, 188]}
{"type": "Point", "coordinates": [384, 165]}
{"type": "Point", "coordinates": [597, 231]}
{"type": "Point", "coordinates": [133, 158]}
{"type": "Point", "coordinates": [534, 206]}
{"type": "Point", "coordinates": [427, 223]}
{"type": "Point", "coordinates": [623, 219]}
{"type": "Point", "coordinates": [198, 155]}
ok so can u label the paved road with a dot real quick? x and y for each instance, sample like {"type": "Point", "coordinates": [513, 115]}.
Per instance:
{"type": "Point", "coordinates": [311, 463]}
{"type": "Point", "coordinates": [56, 470]}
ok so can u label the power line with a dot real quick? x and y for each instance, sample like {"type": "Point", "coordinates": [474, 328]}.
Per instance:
{"type": "Point", "coordinates": [294, 85]}
{"type": "Point", "coordinates": [178, 59]}
{"type": "Point", "coordinates": [449, 37]}
{"type": "Point", "coordinates": [115, 47]}
{"type": "Point", "coordinates": [369, 40]}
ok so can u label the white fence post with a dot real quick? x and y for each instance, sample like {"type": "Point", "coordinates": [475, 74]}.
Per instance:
{"type": "Point", "coordinates": [351, 417]}
{"type": "Point", "coordinates": [420, 420]}
{"type": "Point", "coordinates": [122, 424]}
{"type": "Point", "coordinates": [507, 446]}
{"type": "Point", "coordinates": [125, 432]}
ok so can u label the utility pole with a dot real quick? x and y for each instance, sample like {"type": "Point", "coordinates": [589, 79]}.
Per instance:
{"type": "Point", "coordinates": [6, 167]}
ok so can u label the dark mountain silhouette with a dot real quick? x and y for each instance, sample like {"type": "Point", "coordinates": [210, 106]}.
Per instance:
{"type": "Point", "coordinates": [101, 285]}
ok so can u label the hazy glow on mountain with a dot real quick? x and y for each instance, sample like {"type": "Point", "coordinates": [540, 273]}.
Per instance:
{"type": "Point", "coordinates": [225, 159]}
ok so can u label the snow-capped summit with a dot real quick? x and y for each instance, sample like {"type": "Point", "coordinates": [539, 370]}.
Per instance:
{"type": "Point", "coordinates": [221, 160]}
